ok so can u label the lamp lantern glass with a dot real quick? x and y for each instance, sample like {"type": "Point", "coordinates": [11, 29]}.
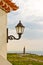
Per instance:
{"type": "Point", "coordinates": [19, 28]}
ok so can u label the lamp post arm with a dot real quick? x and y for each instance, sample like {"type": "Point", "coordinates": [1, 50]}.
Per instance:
{"type": "Point", "coordinates": [11, 37]}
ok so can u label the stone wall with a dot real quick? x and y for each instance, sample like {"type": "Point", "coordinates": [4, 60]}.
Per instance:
{"type": "Point", "coordinates": [3, 37]}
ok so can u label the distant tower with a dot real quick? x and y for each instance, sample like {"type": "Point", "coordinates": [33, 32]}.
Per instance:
{"type": "Point", "coordinates": [24, 50]}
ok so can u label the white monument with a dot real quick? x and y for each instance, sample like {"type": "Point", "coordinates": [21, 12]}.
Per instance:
{"type": "Point", "coordinates": [5, 7]}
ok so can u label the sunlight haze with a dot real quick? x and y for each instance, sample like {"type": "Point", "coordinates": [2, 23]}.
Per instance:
{"type": "Point", "coordinates": [30, 13]}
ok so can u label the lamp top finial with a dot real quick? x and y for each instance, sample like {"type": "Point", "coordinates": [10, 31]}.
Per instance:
{"type": "Point", "coordinates": [19, 21]}
{"type": "Point", "coordinates": [20, 24]}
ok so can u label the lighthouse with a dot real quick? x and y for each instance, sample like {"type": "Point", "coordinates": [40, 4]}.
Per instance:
{"type": "Point", "coordinates": [6, 6]}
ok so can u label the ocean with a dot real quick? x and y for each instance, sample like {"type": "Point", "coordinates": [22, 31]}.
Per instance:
{"type": "Point", "coordinates": [31, 52]}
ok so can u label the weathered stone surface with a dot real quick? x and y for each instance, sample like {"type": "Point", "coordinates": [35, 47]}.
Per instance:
{"type": "Point", "coordinates": [3, 24]}
{"type": "Point", "coordinates": [3, 38]}
{"type": "Point", "coordinates": [4, 61]}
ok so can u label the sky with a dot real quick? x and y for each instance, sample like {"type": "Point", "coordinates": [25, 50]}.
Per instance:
{"type": "Point", "coordinates": [30, 13]}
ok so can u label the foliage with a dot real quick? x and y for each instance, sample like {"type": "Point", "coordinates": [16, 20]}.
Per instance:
{"type": "Point", "coordinates": [25, 59]}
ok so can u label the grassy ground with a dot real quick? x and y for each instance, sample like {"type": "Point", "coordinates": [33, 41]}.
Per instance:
{"type": "Point", "coordinates": [25, 59]}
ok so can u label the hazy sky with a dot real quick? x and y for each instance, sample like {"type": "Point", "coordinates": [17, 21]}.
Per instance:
{"type": "Point", "coordinates": [30, 13]}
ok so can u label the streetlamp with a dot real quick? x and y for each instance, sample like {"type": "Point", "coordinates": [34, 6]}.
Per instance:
{"type": "Point", "coordinates": [19, 29]}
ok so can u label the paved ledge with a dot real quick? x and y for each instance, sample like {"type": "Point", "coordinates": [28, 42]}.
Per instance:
{"type": "Point", "coordinates": [4, 61]}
